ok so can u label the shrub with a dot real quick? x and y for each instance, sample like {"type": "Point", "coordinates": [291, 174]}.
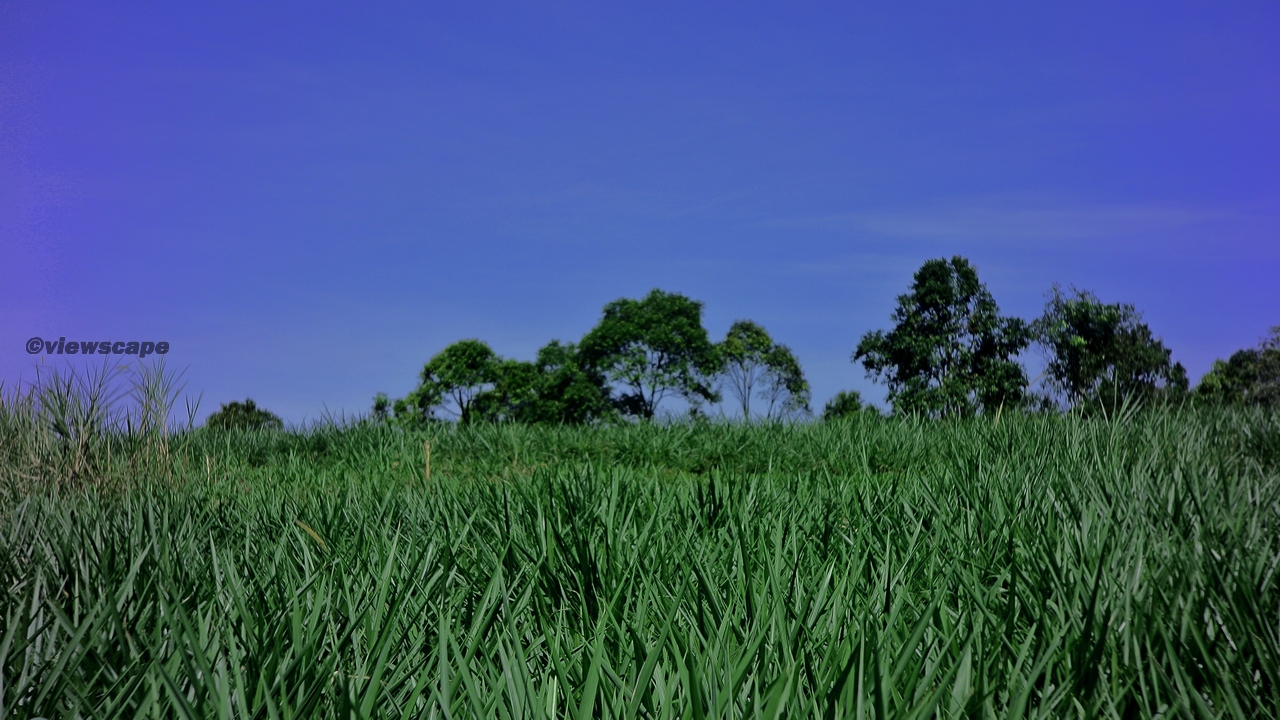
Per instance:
{"type": "Point", "coordinates": [245, 415]}
{"type": "Point", "coordinates": [846, 403]}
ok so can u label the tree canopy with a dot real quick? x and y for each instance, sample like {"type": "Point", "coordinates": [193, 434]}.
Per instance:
{"type": "Point", "coordinates": [756, 366]}
{"type": "Point", "coordinates": [1101, 355]}
{"type": "Point", "coordinates": [571, 391]}
{"type": "Point", "coordinates": [245, 415]}
{"type": "Point", "coordinates": [452, 380]}
{"type": "Point", "coordinates": [554, 388]}
{"type": "Point", "coordinates": [469, 382]}
{"type": "Point", "coordinates": [950, 352]}
{"type": "Point", "coordinates": [1249, 377]}
{"type": "Point", "coordinates": [845, 403]}
{"type": "Point", "coordinates": [653, 348]}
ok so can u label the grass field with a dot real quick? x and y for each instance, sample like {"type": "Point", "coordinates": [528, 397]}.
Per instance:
{"type": "Point", "coordinates": [1026, 567]}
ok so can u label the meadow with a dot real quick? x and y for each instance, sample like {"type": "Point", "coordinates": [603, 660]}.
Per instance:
{"type": "Point", "coordinates": [1017, 566]}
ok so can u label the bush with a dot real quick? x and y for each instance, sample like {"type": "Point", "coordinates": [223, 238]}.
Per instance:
{"type": "Point", "coordinates": [245, 415]}
{"type": "Point", "coordinates": [1248, 377]}
{"type": "Point", "coordinates": [846, 403]}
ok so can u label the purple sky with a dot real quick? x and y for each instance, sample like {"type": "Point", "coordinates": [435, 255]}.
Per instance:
{"type": "Point", "coordinates": [308, 201]}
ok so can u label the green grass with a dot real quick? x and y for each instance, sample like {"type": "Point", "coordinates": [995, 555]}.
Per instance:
{"type": "Point", "coordinates": [1034, 567]}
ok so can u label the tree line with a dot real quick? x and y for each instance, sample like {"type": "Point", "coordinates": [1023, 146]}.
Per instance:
{"type": "Point", "coordinates": [950, 353]}
{"type": "Point", "coordinates": [641, 353]}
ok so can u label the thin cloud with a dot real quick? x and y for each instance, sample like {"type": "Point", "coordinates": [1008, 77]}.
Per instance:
{"type": "Point", "coordinates": [1005, 222]}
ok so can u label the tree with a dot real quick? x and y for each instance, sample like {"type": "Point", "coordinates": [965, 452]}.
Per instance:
{"type": "Point", "coordinates": [451, 381]}
{"type": "Point", "coordinates": [245, 415]}
{"type": "Point", "coordinates": [554, 388]}
{"type": "Point", "coordinates": [654, 347]}
{"type": "Point", "coordinates": [1101, 354]}
{"type": "Point", "coordinates": [572, 392]}
{"type": "Point", "coordinates": [381, 408]}
{"type": "Point", "coordinates": [950, 352]}
{"type": "Point", "coordinates": [1249, 377]}
{"type": "Point", "coordinates": [467, 380]}
{"type": "Point", "coordinates": [785, 387]}
{"type": "Point", "coordinates": [756, 366]}
{"type": "Point", "coordinates": [845, 403]}
{"type": "Point", "coordinates": [513, 394]}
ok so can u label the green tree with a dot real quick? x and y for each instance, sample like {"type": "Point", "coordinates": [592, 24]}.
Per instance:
{"type": "Point", "coordinates": [785, 388]}
{"type": "Point", "coordinates": [555, 389]}
{"type": "Point", "coordinates": [950, 352]}
{"type": "Point", "coordinates": [381, 408]}
{"type": "Point", "coordinates": [470, 382]}
{"type": "Point", "coordinates": [513, 393]}
{"type": "Point", "coordinates": [451, 381]}
{"type": "Point", "coordinates": [1249, 377]}
{"type": "Point", "coordinates": [653, 348]}
{"type": "Point", "coordinates": [571, 392]}
{"type": "Point", "coordinates": [1101, 355]}
{"type": "Point", "coordinates": [756, 366]}
{"type": "Point", "coordinates": [245, 415]}
{"type": "Point", "coordinates": [845, 403]}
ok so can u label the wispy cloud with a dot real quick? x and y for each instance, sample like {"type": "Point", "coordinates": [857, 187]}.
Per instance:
{"type": "Point", "coordinates": [1002, 220]}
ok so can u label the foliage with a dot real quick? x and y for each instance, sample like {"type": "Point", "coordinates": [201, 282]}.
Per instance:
{"type": "Point", "coordinates": [653, 348]}
{"type": "Point", "coordinates": [381, 407]}
{"type": "Point", "coordinates": [1042, 566]}
{"type": "Point", "coordinates": [513, 395]}
{"type": "Point", "coordinates": [554, 388]}
{"type": "Point", "coordinates": [1249, 377]}
{"type": "Point", "coordinates": [950, 352]}
{"type": "Point", "coordinates": [1101, 355]}
{"type": "Point", "coordinates": [756, 366]}
{"type": "Point", "coordinates": [245, 415]}
{"type": "Point", "coordinates": [451, 381]}
{"type": "Point", "coordinates": [571, 392]}
{"type": "Point", "coordinates": [845, 403]}
{"type": "Point", "coordinates": [71, 427]}
{"type": "Point", "coordinates": [473, 381]}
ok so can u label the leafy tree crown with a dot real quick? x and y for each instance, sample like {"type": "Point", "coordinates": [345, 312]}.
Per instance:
{"type": "Point", "coordinates": [1102, 354]}
{"type": "Point", "coordinates": [470, 382]}
{"type": "Point", "coordinates": [653, 348]}
{"type": "Point", "coordinates": [950, 352]}
{"type": "Point", "coordinates": [245, 415]}
{"type": "Point", "coordinates": [757, 367]}
{"type": "Point", "coordinates": [845, 403]}
{"type": "Point", "coordinates": [452, 380]}
{"type": "Point", "coordinates": [1249, 377]}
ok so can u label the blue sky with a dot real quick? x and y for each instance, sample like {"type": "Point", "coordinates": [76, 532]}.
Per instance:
{"type": "Point", "coordinates": [308, 200]}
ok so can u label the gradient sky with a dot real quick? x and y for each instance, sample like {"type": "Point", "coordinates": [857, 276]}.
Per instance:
{"type": "Point", "coordinates": [308, 200]}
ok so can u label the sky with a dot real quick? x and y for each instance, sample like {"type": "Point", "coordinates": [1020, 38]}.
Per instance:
{"type": "Point", "coordinates": [309, 200]}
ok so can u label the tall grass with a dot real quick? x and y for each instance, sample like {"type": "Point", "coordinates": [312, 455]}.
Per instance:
{"type": "Point", "coordinates": [1030, 567]}
{"type": "Point", "coordinates": [63, 430]}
